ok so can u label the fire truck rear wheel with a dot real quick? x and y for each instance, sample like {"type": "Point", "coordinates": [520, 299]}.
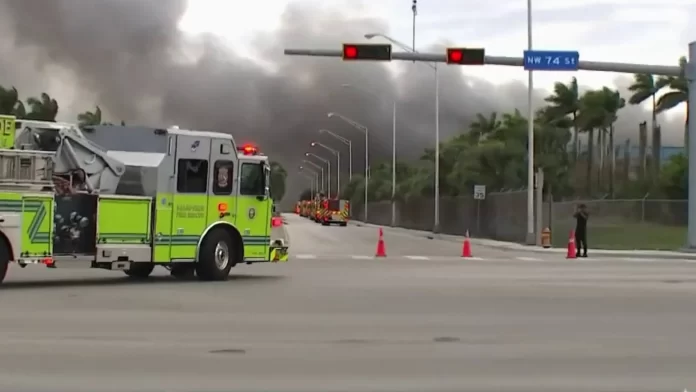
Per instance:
{"type": "Point", "coordinates": [140, 270]}
{"type": "Point", "coordinates": [217, 256]}
{"type": "Point", "coordinates": [4, 258]}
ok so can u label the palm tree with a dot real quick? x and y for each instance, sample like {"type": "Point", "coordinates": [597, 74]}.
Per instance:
{"type": "Point", "coordinates": [483, 126]}
{"type": "Point", "coordinates": [613, 102]}
{"type": "Point", "coordinates": [565, 100]}
{"type": "Point", "coordinates": [278, 176]}
{"type": "Point", "coordinates": [90, 118]}
{"type": "Point", "coordinates": [644, 87]}
{"type": "Point", "coordinates": [598, 111]}
{"type": "Point", "coordinates": [10, 103]}
{"type": "Point", "coordinates": [44, 108]}
{"type": "Point", "coordinates": [678, 93]}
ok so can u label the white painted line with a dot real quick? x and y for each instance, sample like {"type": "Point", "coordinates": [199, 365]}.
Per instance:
{"type": "Point", "coordinates": [528, 258]}
{"type": "Point", "coordinates": [474, 258]}
{"type": "Point", "coordinates": [637, 259]}
{"type": "Point", "coordinates": [417, 257]}
{"type": "Point", "coordinates": [361, 257]}
{"type": "Point", "coordinates": [305, 257]}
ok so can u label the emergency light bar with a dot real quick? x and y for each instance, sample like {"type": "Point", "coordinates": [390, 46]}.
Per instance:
{"type": "Point", "coordinates": [248, 149]}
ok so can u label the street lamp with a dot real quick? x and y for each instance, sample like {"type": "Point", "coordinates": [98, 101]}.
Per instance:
{"type": "Point", "coordinates": [328, 165]}
{"type": "Point", "coordinates": [363, 128]}
{"type": "Point", "coordinates": [530, 137]}
{"type": "Point", "coordinates": [393, 196]}
{"type": "Point", "coordinates": [350, 150]}
{"type": "Point", "coordinates": [315, 176]}
{"type": "Point", "coordinates": [436, 223]}
{"type": "Point", "coordinates": [338, 165]}
{"type": "Point", "coordinates": [321, 171]}
{"type": "Point", "coordinates": [313, 179]}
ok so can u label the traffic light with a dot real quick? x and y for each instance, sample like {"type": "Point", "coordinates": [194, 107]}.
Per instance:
{"type": "Point", "coordinates": [375, 52]}
{"type": "Point", "coordinates": [465, 56]}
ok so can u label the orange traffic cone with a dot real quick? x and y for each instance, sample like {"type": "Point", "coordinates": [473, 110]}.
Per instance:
{"type": "Point", "coordinates": [381, 249]}
{"type": "Point", "coordinates": [466, 247]}
{"type": "Point", "coordinates": [572, 251]}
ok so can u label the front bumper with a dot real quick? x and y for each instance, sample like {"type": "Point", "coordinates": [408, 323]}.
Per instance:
{"type": "Point", "coordinates": [279, 254]}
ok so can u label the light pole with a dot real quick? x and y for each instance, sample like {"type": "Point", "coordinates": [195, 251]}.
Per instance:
{"type": "Point", "coordinates": [321, 170]}
{"type": "Point", "coordinates": [393, 195]}
{"type": "Point", "coordinates": [436, 222]}
{"type": "Point", "coordinates": [312, 178]}
{"type": "Point", "coordinates": [363, 128]}
{"type": "Point", "coordinates": [338, 165]}
{"type": "Point", "coordinates": [350, 150]}
{"type": "Point", "coordinates": [530, 137]}
{"type": "Point", "coordinates": [328, 171]}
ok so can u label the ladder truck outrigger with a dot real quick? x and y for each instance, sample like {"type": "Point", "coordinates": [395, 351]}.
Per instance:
{"type": "Point", "coordinates": [131, 198]}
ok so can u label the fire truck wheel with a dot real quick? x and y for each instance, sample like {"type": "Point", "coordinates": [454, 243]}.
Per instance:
{"type": "Point", "coordinates": [140, 270]}
{"type": "Point", "coordinates": [344, 224]}
{"type": "Point", "coordinates": [325, 223]}
{"type": "Point", "coordinates": [217, 256]}
{"type": "Point", "coordinates": [4, 258]}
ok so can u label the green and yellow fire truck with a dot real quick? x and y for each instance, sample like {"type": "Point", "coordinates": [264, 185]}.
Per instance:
{"type": "Point", "coordinates": [131, 198]}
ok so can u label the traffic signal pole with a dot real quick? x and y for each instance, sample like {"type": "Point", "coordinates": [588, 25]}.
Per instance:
{"type": "Point", "coordinates": [601, 66]}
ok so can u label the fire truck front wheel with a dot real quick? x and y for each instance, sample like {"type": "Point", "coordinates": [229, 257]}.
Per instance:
{"type": "Point", "coordinates": [4, 258]}
{"type": "Point", "coordinates": [218, 254]}
{"type": "Point", "coordinates": [140, 270]}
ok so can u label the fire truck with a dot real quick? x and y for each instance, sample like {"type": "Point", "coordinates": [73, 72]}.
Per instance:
{"type": "Point", "coordinates": [333, 211]}
{"type": "Point", "coordinates": [133, 198]}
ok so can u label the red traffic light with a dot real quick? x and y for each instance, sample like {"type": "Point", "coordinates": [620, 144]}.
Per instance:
{"type": "Point", "coordinates": [375, 52]}
{"type": "Point", "coordinates": [350, 51]}
{"type": "Point", "coordinates": [466, 56]}
{"type": "Point", "coordinates": [455, 56]}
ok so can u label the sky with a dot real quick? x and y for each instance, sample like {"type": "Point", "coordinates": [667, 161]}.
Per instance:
{"type": "Point", "coordinates": [632, 31]}
{"type": "Point", "coordinates": [219, 65]}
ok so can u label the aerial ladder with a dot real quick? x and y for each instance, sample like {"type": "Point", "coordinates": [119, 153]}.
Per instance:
{"type": "Point", "coordinates": [57, 156]}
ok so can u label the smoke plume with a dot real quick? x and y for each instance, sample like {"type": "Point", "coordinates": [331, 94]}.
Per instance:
{"type": "Point", "coordinates": [129, 57]}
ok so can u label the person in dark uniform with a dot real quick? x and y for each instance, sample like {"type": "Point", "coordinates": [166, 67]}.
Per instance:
{"type": "Point", "coordinates": [581, 216]}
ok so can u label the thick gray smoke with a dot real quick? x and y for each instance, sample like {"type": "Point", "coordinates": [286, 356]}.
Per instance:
{"type": "Point", "coordinates": [129, 57]}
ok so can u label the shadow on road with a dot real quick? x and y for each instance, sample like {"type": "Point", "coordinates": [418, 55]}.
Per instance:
{"type": "Point", "coordinates": [126, 281]}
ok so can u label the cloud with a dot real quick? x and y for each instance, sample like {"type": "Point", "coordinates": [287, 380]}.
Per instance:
{"type": "Point", "coordinates": [130, 57]}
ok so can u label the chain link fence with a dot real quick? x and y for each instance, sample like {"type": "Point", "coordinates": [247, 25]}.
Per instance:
{"type": "Point", "coordinates": [617, 224]}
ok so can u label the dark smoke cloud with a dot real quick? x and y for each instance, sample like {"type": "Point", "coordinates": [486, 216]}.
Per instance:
{"type": "Point", "coordinates": [129, 57]}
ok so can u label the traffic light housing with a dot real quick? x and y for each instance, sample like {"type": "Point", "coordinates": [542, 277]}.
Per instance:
{"type": "Point", "coordinates": [374, 52]}
{"type": "Point", "coordinates": [466, 56]}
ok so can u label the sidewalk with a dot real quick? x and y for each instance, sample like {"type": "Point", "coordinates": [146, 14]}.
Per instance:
{"type": "Point", "coordinates": [512, 246]}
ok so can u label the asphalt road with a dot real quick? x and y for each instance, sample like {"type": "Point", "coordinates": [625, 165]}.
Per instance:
{"type": "Point", "coordinates": [336, 323]}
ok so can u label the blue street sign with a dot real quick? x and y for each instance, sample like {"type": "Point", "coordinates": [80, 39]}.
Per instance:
{"type": "Point", "coordinates": [551, 60]}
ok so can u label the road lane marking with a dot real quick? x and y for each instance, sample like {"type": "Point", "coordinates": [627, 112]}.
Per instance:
{"type": "Point", "coordinates": [361, 257]}
{"type": "Point", "coordinates": [638, 259]}
{"type": "Point", "coordinates": [417, 257]}
{"type": "Point", "coordinates": [528, 258]}
{"type": "Point", "coordinates": [306, 257]}
{"type": "Point", "coordinates": [473, 258]}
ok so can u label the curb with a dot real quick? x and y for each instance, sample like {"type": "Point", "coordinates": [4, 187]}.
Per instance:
{"type": "Point", "coordinates": [509, 246]}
